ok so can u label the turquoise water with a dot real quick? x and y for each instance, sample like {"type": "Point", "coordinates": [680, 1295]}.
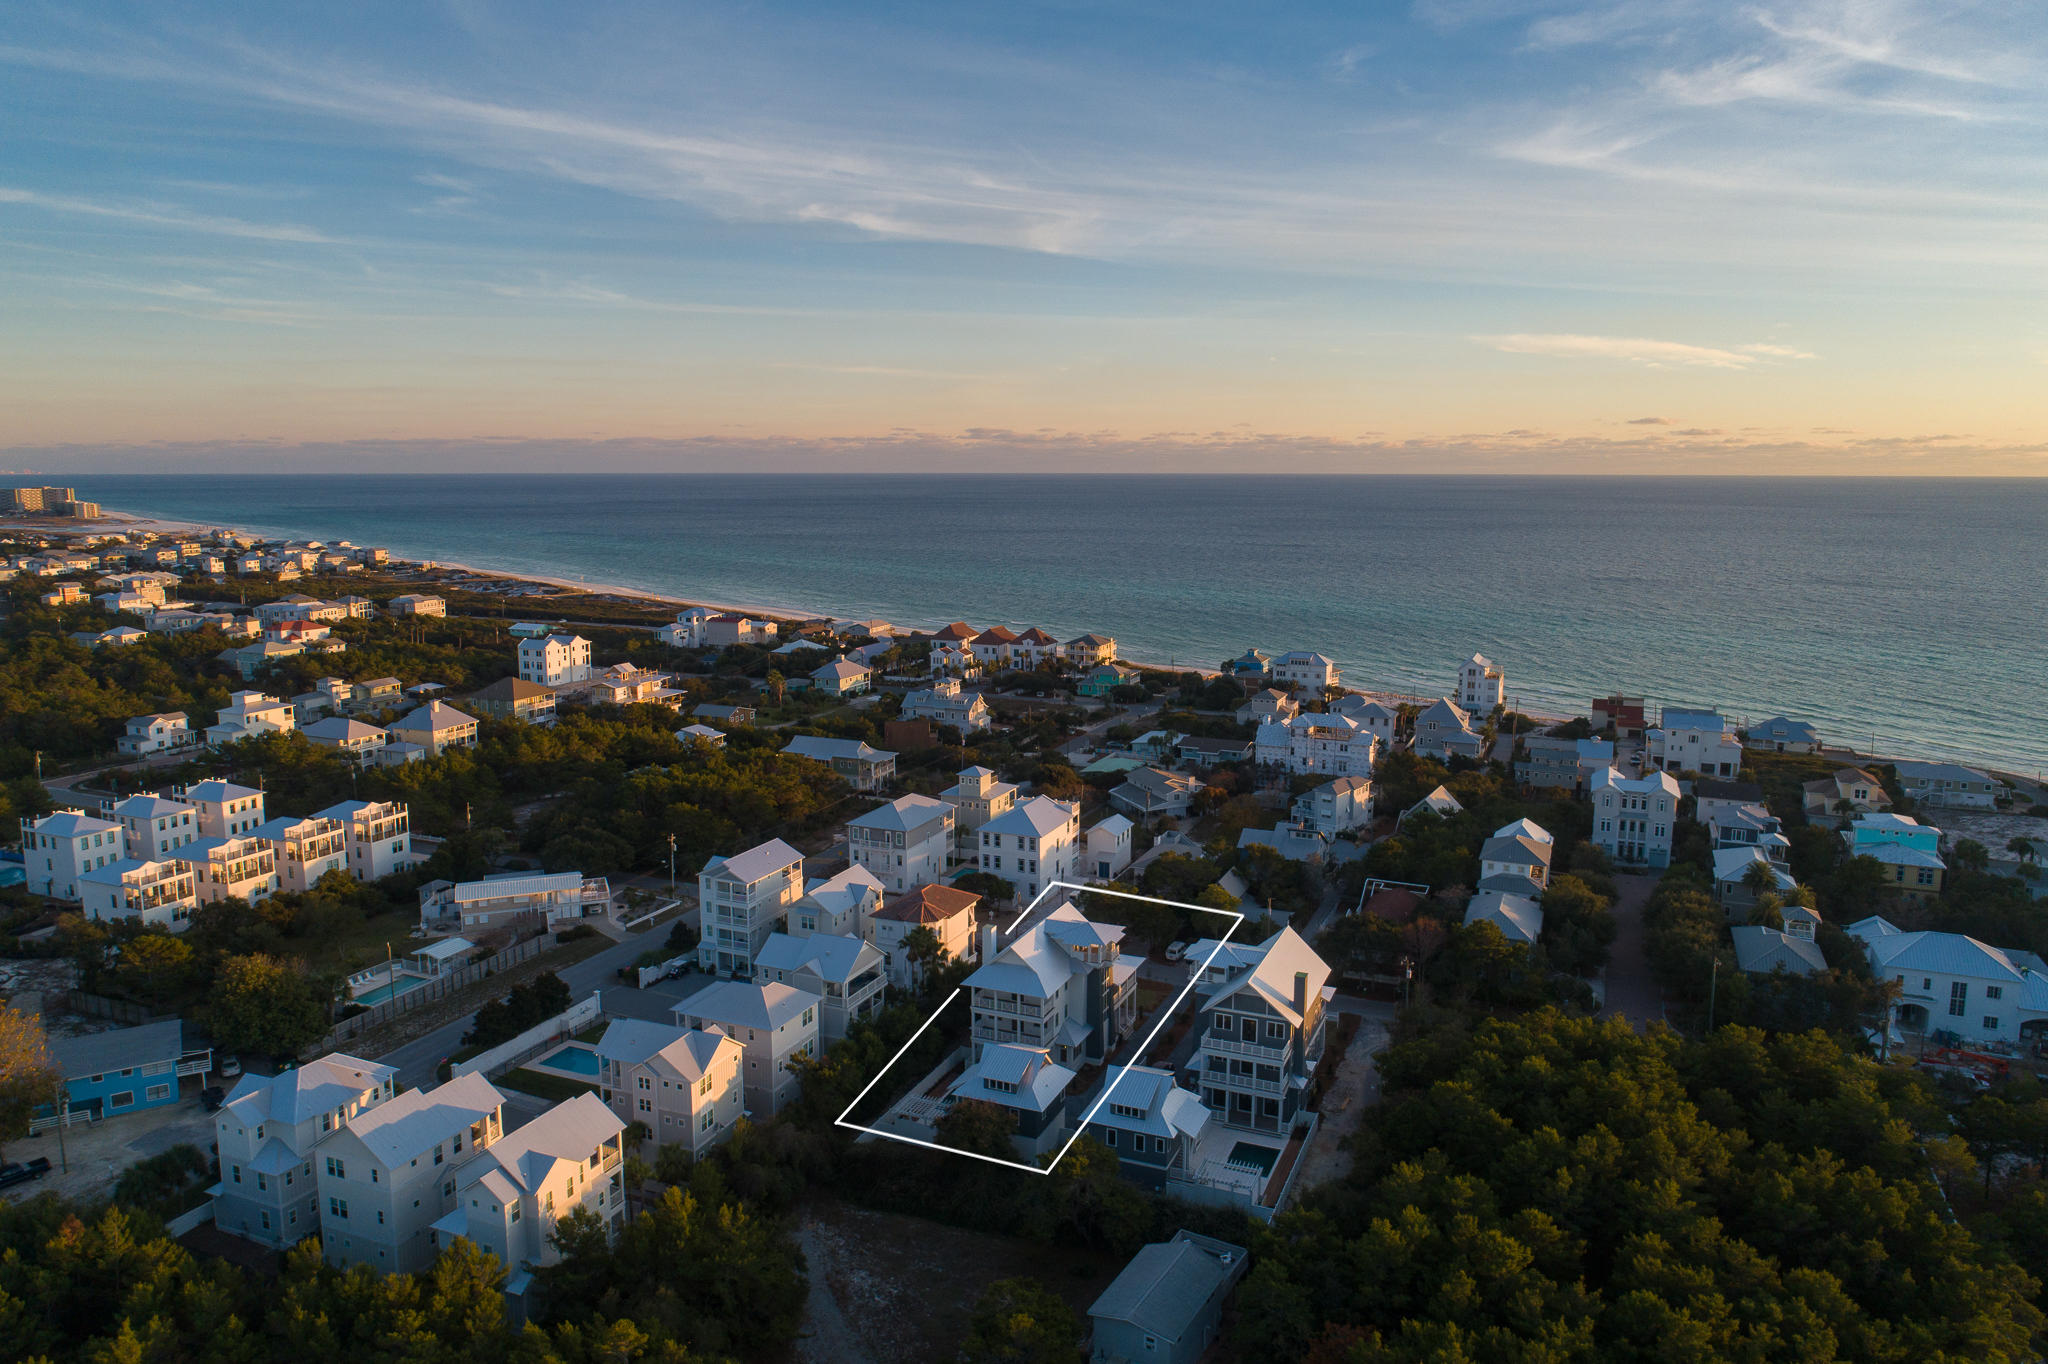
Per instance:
{"type": "Point", "coordinates": [1905, 612]}
{"type": "Point", "coordinates": [404, 985]}
{"type": "Point", "coordinates": [574, 1057]}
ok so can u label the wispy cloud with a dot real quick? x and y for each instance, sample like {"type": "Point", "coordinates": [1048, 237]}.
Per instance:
{"type": "Point", "coordinates": [1633, 349]}
{"type": "Point", "coordinates": [163, 215]}
{"type": "Point", "coordinates": [1649, 421]}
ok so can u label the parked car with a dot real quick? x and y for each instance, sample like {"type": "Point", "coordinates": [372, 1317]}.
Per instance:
{"type": "Point", "coordinates": [13, 1172]}
{"type": "Point", "coordinates": [1176, 951]}
{"type": "Point", "coordinates": [213, 1096]}
{"type": "Point", "coordinates": [230, 1067]}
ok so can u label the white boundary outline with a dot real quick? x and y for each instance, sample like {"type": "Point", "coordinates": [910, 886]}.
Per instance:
{"type": "Point", "coordinates": [1194, 978]}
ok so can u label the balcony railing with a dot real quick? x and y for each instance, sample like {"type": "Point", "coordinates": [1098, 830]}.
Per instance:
{"type": "Point", "coordinates": [1231, 1046]}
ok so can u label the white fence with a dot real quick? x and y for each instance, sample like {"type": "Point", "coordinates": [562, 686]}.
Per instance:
{"type": "Point", "coordinates": [534, 1038]}
{"type": "Point", "coordinates": [649, 974]}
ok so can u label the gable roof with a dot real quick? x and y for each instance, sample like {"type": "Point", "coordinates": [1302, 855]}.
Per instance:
{"type": "Point", "coordinates": [1034, 817]}
{"type": "Point", "coordinates": [1519, 918]}
{"type": "Point", "coordinates": [822, 749]}
{"type": "Point", "coordinates": [756, 862]}
{"type": "Point", "coordinates": [744, 1004]}
{"type": "Point", "coordinates": [413, 1123]}
{"type": "Point", "coordinates": [1168, 1110]}
{"type": "Point", "coordinates": [835, 957]}
{"type": "Point", "coordinates": [1516, 850]}
{"type": "Point", "coordinates": [1763, 950]}
{"type": "Point", "coordinates": [1286, 955]}
{"type": "Point", "coordinates": [571, 1131]}
{"type": "Point", "coordinates": [901, 815]}
{"type": "Point", "coordinates": [433, 718]}
{"type": "Point", "coordinates": [1166, 1286]}
{"type": "Point", "coordinates": [123, 1048]}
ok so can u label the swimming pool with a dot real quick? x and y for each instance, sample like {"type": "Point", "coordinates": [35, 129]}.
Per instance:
{"type": "Point", "coordinates": [575, 1058]}
{"type": "Point", "coordinates": [390, 990]}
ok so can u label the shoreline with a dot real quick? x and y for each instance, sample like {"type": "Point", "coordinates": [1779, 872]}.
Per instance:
{"type": "Point", "coordinates": [114, 519]}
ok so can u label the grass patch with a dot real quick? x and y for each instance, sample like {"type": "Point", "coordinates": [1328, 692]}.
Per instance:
{"type": "Point", "coordinates": [362, 944]}
{"type": "Point", "coordinates": [553, 1088]}
{"type": "Point", "coordinates": [592, 1033]}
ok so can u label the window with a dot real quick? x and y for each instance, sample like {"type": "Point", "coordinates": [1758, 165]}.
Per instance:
{"type": "Point", "coordinates": [265, 1219]}
{"type": "Point", "coordinates": [337, 1207]}
{"type": "Point", "coordinates": [262, 1182]}
{"type": "Point", "coordinates": [380, 1217]}
{"type": "Point", "coordinates": [124, 1099]}
{"type": "Point", "coordinates": [373, 1174]}
{"type": "Point", "coordinates": [1276, 1029]}
{"type": "Point", "coordinates": [645, 1083]}
{"type": "Point", "coordinates": [1958, 997]}
{"type": "Point", "coordinates": [1994, 992]}
{"type": "Point", "coordinates": [515, 1212]}
{"type": "Point", "coordinates": [238, 1174]}
{"type": "Point", "coordinates": [448, 1189]}
{"type": "Point", "coordinates": [336, 1168]}
{"type": "Point", "coordinates": [1990, 1022]}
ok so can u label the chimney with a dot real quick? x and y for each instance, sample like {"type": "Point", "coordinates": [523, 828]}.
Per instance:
{"type": "Point", "coordinates": [989, 942]}
{"type": "Point", "coordinates": [1301, 993]}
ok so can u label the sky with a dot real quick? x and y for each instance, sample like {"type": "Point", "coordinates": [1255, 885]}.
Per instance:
{"type": "Point", "coordinates": [1636, 236]}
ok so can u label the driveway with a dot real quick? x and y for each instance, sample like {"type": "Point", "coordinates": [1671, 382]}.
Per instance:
{"type": "Point", "coordinates": [98, 1153]}
{"type": "Point", "coordinates": [1631, 990]}
{"type": "Point", "coordinates": [1355, 1088]}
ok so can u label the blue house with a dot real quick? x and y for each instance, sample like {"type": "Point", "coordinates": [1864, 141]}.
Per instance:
{"type": "Point", "coordinates": [1152, 1124]}
{"type": "Point", "coordinates": [109, 1073]}
{"type": "Point", "coordinates": [1167, 1305]}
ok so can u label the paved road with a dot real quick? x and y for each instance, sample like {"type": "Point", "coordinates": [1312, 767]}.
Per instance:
{"type": "Point", "coordinates": [1631, 990]}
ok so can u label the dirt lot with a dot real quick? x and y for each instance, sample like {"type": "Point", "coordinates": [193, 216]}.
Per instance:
{"type": "Point", "coordinates": [889, 1289]}
{"type": "Point", "coordinates": [1355, 1089]}
{"type": "Point", "coordinates": [98, 1154]}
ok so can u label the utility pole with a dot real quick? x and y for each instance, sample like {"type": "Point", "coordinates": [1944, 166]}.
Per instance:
{"type": "Point", "coordinates": [63, 1119]}
{"type": "Point", "coordinates": [671, 866]}
{"type": "Point", "coordinates": [1713, 987]}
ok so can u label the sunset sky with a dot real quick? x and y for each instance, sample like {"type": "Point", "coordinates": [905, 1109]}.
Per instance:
{"type": "Point", "coordinates": [1645, 235]}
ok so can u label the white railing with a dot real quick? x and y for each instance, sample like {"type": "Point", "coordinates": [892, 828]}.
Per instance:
{"type": "Point", "coordinates": [1231, 1046]}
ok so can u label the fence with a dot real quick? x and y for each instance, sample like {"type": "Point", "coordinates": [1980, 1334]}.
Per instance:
{"type": "Point", "coordinates": [433, 988]}
{"type": "Point", "coordinates": [647, 975]}
{"type": "Point", "coordinates": [126, 1012]}
{"type": "Point", "coordinates": [530, 1042]}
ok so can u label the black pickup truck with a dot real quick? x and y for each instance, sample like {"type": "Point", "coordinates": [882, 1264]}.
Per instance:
{"type": "Point", "coordinates": [14, 1173]}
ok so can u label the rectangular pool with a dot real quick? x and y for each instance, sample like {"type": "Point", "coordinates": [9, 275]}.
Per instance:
{"type": "Point", "coordinates": [575, 1058]}
{"type": "Point", "coordinates": [404, 985]}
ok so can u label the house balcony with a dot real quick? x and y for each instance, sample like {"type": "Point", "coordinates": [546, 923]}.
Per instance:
{"type": "Point", "coordinates": [1275, 1052]}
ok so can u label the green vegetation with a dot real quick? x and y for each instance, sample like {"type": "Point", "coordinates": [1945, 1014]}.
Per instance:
{"type": "Point", "coordinates": [554, 1088]}
{"type": "Point", "coordinates": [526, 1005]}
{"type": "Point", "coordinates": [1021, 1321]}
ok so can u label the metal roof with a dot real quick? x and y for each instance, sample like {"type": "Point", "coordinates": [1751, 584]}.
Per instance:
{"type": "Point", "coordinates": [1167, 1285]}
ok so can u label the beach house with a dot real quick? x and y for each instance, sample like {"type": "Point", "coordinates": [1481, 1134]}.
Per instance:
{"type": "Point", "coordinates": [1089, 650]}
{"type": "Point", "coordinates": [241, 867]}
{"type": "Point", "coordinates": [164, 732]}
{"type": "Point", "coordinates": [1312, 743]}
{"type": "Point", "coordinates": [1522, 850]}
{"type": "Point", "coordinates": [1374, 717]}
{"type": "Point", "coordinates": [513, 1193]}
{"type": "Point", "coordinates": [864, 767]}
{"type": "Point", "coordinates": [1694, 741]}
{"type": "Point", "coordinates": [61, 846]}
{"type": "Point", "coordinates": [515, 698]}
{"type": "Point", "coordinates": [1307, 672]}
{"type": "Point", "coordinates": [247, 715]}
{"type": "Point", "coordinates": [1846, 791]}
{"type": "Point", "coordinates": [1482, 685]}
{"type": "Point", "coordinates": [1262, 1036]}
{"type": "Point", "coordinates": [1947, 784]}
{"type": "Point", "coordinates": [841, 903]}
{"type": "Point", "coordinates": [435, 727]}
{"type": "Point", "coordinates": [742, 899]}
{"type": "Point", "coordinates": [1268, 705]}
{"type": "Point", "coordinates": [418, 604]}
{"type": "Point", "coordinates": [379, 836]}
{"type": "Point", "coordinates": [224, 808]}
{"type": "Point", "coordinates": [1518, 917]}
{"type": "Point", "coordinates": [1152, 1124]}
{"type": "Point", "coordinates": [681, 1084]}
{"type": "Point", "coordinates": [388, 1174]}
{"type": "Point", "coordinates": [847, 974]}
{"type": "Point", "coordinates": [1635, 818]}
{"type": "Point", "coordinates": [1166, 1306]}
{"type": "Point", "coordinates": [540, 899]}
{"type": "Point", "coordinates": [1950, 982]}
{"type": "Point", "coordinates": [127, 1070]}
{"type": "Point", "coordinates": [1108, 847]}
{"type": "Point", "coordinates": [776, 1026]}
{"type": "Point", "coordinates": [307, 848]}
{"type": "Point", "coordinates": [266, 1134]}
{"type": "Point", "coordinates": [946, 912]}
{"type": "Point", "coordinates": [353, 737]}
{"type": "Point", "coordinates": [1781, 735]}
{"type": "Point", "coordinates": [991, 648]}
{"type": "Point", "coordinates": [1335, 807]}
{"type": "Point", "coordinates": [1149, 792]}
{"type": "Point", "coordinates": [943, 703]}
{"type": "Point", "coordinates": [154, 825]}
{"type": "Point", "coordinates": [1027, 1084]}
{"type": "Point", "coordinates": [904, 843]}
{"type": "Point", "coordinates": [1033, 844]}
{"type": "Point", "coordinates": [554, 660]}
{"type": "Point", "coordinates": [1909, 851]}
{"type": "Point", "coordinates": [159, 892]}
{"type": "Point", "coordinates": [1062, 986]}
{"type": "Point", "coordinates": [1443, 730]}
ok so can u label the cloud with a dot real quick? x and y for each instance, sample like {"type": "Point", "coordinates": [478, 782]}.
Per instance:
{"type": "Point", "coordinates": [1775, 352]}
{"type": "Point", "coordinates": [1649, 421]}
{"type": "Point", "coordinates": [163, 215]}
{"type": "Point", "coordinates": [1635, 349]}
{"type": "Point", "coordinates": [1698, 431]}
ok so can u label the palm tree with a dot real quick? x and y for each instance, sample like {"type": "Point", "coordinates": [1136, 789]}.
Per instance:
{"type": "Point", "coordinates": [1761, 879]}
{"type": "Point", "coordinates": [1885, 993]}
{"type": "Point", "coordinates": [2021, 848]}
{"type": "Point", "coordinates": [1970, 855]}
{"type": "Point", "coordinates": [776, 684]}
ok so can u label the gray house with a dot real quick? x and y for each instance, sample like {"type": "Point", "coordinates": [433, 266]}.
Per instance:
{"type": "Point", "coordinates": [1167, 1304]}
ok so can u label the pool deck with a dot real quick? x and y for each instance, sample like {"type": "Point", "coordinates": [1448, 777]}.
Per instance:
{"type": "Point", "coordinates": [545, 1064]}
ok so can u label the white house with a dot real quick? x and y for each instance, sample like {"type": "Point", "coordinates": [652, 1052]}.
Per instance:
{"type": "Point", "coordinates": [944, 704]}
{"type": "Point", "coordinates": [1109, 847]}
{"type": "Point", "coordinates": [684, 1085]}
{"type": "Point", "coordinates": [554, 660]}
{"type": "Point", "coordinates": [307, 849]}
{"type": "Point", "coordinates": [841, 677]}
{"type": "Point", "coordinates": [1313, 743]}
{"type": "Point", "coordinates": [840, 904]}
{"type": "Point", "coordinates": [1694, 741]}
{"type": "Point", "coordinates": [1062, 986]}
{"type": "Point", "coordinates": [163, 893]}
{"type": "Point", "coordinates": [267, 1132]}
{"type": "Point", "coordinates": [1147, 792]}
{"type": "Point", "coordinates": [1308, 672]}
{"type": "Point", "coordinates": [155, 825]}
{"type": "Point", "coordinates": [514, 1191]}
{"type": "Point", "coordinates": [1335, 807]}
{"type": "Point", "coordinates": [225, 809]}
{"type": "Point", "coordinates": [243, 868]}
{"type": "Point", "coordinates": [976, 797]}
{"type": "Point", "coordinates": [1951, 982]}
{"type": "Point", "coordinates": [1634, 818]}
{"type": "Point", "coordinates": [1369, 715]}
{"type": "Point", "coordinates": [418, 604]}
{"type": "Point", "coordinates": [904, 843]}
{"type": "Point", "coordinates": [435, 727]}
{"type": "Point", "coordinates": [1089, 650]}
{"type": "Point", "coordinates": [742, 899]}
{"type": "Point", "coordinates": [1947, 784]}
{"type": "Point", "coordinates": [944, 910]}
{"type": "Point", "coordinates": [1271, 705]}
{"type": "Point", "coordinates": [776, 1026]}
{"type": "Point", "coordinates": [848, 974]}
{"type": "Point", "coordinates": [390, 1172]}
{"type": "Point", "coordinates": [1482, 685]}
{"type": "Point", "coordinates": [248, 714]}
{"type": "Point", "coordinates": [379, 836]}
{"type": "Point", "coordinates": [160, 733]}
{"type": "Point", "coordinates": [62, 846]}
{"type": "Point", "coordinates": [1032, 845]}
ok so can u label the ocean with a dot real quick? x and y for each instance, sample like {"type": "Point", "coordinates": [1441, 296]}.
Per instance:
{"type": "Point", "coordinates": [1904, 614]}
